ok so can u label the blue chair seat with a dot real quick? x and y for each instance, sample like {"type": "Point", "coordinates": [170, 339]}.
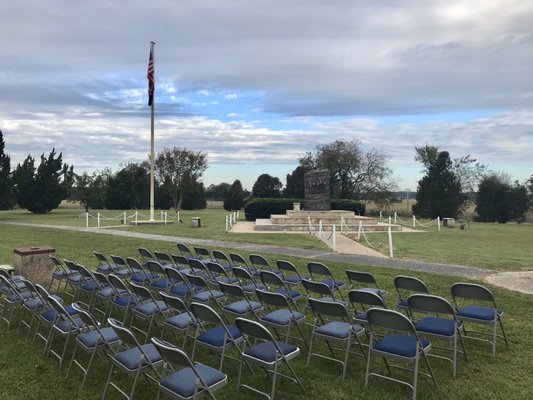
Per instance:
{"type": "Point", "coordinates": [50, 314]}
{"type": "Point", "coordinates": [331, 283]}
{"type": "Point", "coordinates": [402, 303]}
{"type": "Point", "coordinates": [74, 278]}
{"type": "Point", "coordinates": [250, 287]}
{"type": "Point", "coordinates": [89, 287]}
{"type": "Point", "coordinates": [292, 294]}
{"type": "Point", "coordinates": [159, 283]}
{"type": "Point", "coordinates": [92, 339]}
{"type": "Point", "coordinates": [183, 382]}
{"type": "Point", "coordinates": [131, 358]}
{"type": "Point", "coordinates": [338, 329]}
{"type": "Point", "coordinates": [105, 293]}
{"type": "Point", "coordinates": [66, 326]}
{"type": "Point", "coordinates": [123, 273]}
{"type": "Point", "coordinates": [180, 321]}
{"type": "Point", "coordinates": [139, 278]}
{"type": "Point", "coordinates": [401, 345]}
{"type": "Point", "coordinates": [282, 317]}
{"type": "Point", "coordinates": [181, 291]}
{"type": "Point", "coordinates": [242, 307]}
{"type": "Point", "coordinates": [228, 280]}
{"type": "Point", "coordinates": [106, 269]}
{"type": "Point", "coordinates": [59, 274]}
{"type": "Point", "coordinates": [151, 308]}
{"type": "Point", "coordinates": [438, 326]}
{"type": "Point", "coordinates": [477, 312]}
{"type": "Point", "coordinates": [125, 301]}
{"type": "Point", "coordinates": [33, 304]}
{"type": "Point", "coordinates": [292, 279]}
{"type": "Point", "coordinates": [362, 316]}
{"type": "Point", "coordinates": [379, 292]}
{"type": "Point", "coordinates": [215, 337]}
{"type": "Point", "coordinates": [267, 352]}
{"type": "Point", "coordinates": [206, 296]}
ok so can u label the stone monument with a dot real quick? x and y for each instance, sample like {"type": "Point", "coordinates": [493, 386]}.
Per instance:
{"type": "Point", "coordinates": [317, 190]}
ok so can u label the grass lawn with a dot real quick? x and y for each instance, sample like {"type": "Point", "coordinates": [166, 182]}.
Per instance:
{"type": "Point", "coordinates": [26, 374]}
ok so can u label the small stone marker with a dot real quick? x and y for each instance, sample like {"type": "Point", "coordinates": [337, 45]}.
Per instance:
{"type": "Point", "coordinates": [34, 264]}
{"type": "Point", "coordinates": [196, 222]}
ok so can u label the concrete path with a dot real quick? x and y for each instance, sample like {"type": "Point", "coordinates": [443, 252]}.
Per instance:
{"type": "Point", "coordinates": [362, 259]}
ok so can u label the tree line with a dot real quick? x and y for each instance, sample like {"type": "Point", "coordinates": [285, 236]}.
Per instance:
{"type": "Point", "coordinates": [446, 188]}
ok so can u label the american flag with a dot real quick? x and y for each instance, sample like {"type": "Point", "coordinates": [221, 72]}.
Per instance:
{"type": "Point", "coordinates": [150, 76]}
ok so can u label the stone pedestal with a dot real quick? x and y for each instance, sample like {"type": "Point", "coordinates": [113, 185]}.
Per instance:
{"type": "Point", "coordinates": [316, 188]}
{"type": "Point", "coordinates": [34, 264]}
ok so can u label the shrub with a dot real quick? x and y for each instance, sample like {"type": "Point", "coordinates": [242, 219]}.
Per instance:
{"type": "Point", "coordinates": [264, 208]}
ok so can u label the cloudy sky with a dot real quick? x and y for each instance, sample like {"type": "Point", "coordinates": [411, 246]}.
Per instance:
{"type": "Point", "coordinates": [258, 83]}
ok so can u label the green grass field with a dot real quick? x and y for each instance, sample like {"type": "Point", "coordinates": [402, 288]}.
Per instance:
{"type": "Point", "coordinates": [26, 374]}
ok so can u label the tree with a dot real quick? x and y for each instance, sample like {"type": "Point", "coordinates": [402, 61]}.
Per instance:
{"type": "Point", "coordinates": [128, 188]}
{"type": "Point", "coordinates": [295, 183]}
{"type": "Point", "coordinates": [194, 199]}
{"type": "Point", "coordinates": [498, 200]}
{"type": "Point", "coordinates": [439, 191]}
{"type": "Point", "coordinates": [267, 186]}
{"type": "Point", "coordinates": [7, 198]}
{"type": "Point", "coordinates": [216, 192]}
{"type": "Point", "coordinates": [234, 197]}
{"type": "Point", "coordinates": [179, 170]}
{"type": "Point", "coordinates": [354, 173]}
{"type": "Point", "coordinates": [41, 190]}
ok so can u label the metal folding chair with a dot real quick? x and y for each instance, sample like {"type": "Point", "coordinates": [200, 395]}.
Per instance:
{"type": "Point", "coordinates": [123, 270]}
{"type": "Point", "coordinates": [219, 273]}
{"type": "Point", "coordinates": [104, 266]}
{"type": "Point", "coordinates": [332, 324]}
{"type": "Point", "coordinates": [247, 281]}
{"type": "Point", "coordinates": [179, 317]}
{"type": "Point", "coordinates": [221, 258]}
{"type": "Point", "coordinates": [184, 379]}
{"type": "Point", "coordinates": [124, 299]}
{"type": "Point", "coordinates": [361, 301]}
{"type": "Point", "coordinates": [481, 309]}
{"type": "Point", "coordinates": [406, 286]}
{"type": "Point", "coordinates": [133, 359]}
{"type": "Point", "coordinates": [321, 273]}
{"type": "Point", "coordinates": [403, 345]}
{"type": "Point", "coordinates": [243, 305]}
{"type": "Point", "coordinates": [270, 354]}
{"type": "Point", "coordinates": [179, 286]}
{"type": "Point", "coordinates": [320, 289]}
{"type": "Point", "coordinates": [147, 308]}
{"type": "Point", "coordinates": [275, 283]}
{"type": "Point", "coordinates": [217, 339]}
{"type": "Point", "coordinates": [159, 279]}
{"type": "Point", "coordinates": [365, 278]}
{"type": "Point", "coordinates": [93, 339]}
{"type": "Point", "coordinates": [289, 273]}
{"type": "Point", "coordinates": [186, 252]}
{"type": "Point", "coordinates": [436, 326]}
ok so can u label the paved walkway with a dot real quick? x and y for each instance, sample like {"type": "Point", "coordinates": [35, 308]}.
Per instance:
{"type": "Point", "coordinates": [436, 268]}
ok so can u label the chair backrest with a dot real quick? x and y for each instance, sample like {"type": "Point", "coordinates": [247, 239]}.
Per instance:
{"type": "Point", "coordinates": [287, 266]}
{"type": "Point", "coordinates": [242, 274]}
{"type": "Point", "coordinates": [42, 292]}
{"type": "Point", "coordinates": [197, 280]}
{"type": "Point", "coordinates": [155, 268]}
{"type": "Point", "coordinates": [272, 299]}
{"type": "Point", "coordinates": [316, 268]}
{"type": "Point", "coordinates": [329, 308]}
{"type": "Point", "coordinates": [361, 277]}
{"type": "Point", "coordinates": [410, 283]}
{"type": "Point", "coordinates": [220, 257]}
{"type": "Point", "coordinates": [141, 291]}
{"type": "Point", "coordinates": [471, 291]}
{"type": "Point", "coordinates": [61, 312]}
{"type": "Point", "coordinates": [390, 319]}
{"type": "Point", "coordinates": [102, 260]}
{"type": "Point", "coordinates": [238, 260]}
{"type": "Point", "coordinates": [205, 313]}
{"type": "Point", "coordinates": [87, 318]}
{"type": "Point", "coordinates": [175, 276]}
{"type": "Point", "coordinates": [146, 254]}
{"type": "Point", "coordinates": [201, 252]}
{"type": "Point", "coordinates": [101, 279]}
{"type": "Point", "coordinates": [118, 283]}
{"type": "Point", "coordinates": [9, 285]}
{"type": "Point", "coordinates": [197, 265]}
{"type": "Point", "coordinates": [57, 262]}
{"type": "Point", "coordinates": [31, 289]}
{"type": "Point", "coordinates": [175, 356]}
{"type": "Point", "coordinates": [126, 336]}
{"type": "Point", "coordinates": [85, 273]}
{"type": "Point", "coordinates": [173, 302]}
{"type": "Point", "coordinates": [258, 261]}
{"type": "Point", "coordinates": [426, 303]}
{"type": "Point", "coordinates": [134, 264]}
{"type": "Point", "coordinates": [71, 265]}
{"type": "Point", "coordinates": [253, 329]}
{"type": "Point", "coordinates": [162, 257]}
{"type": "Point", "coordinates": [232, 290]}
{"type": "Point", "coordinates": [365, 298]}
{"type": "Point", "coordinates": [270, 278]}
{"type": "Point", "coordinates": [184, 250]}
{"type": "Point", "coordinates": [118, 260]}
{"type": "Point", "coordinates": [216, 269]}
{"type": "Point", "coordinates": [180, 261]}
{"type": "Point", "coordinates": [317, 287]}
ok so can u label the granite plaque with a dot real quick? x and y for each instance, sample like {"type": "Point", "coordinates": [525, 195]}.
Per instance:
{"type": "Point", "coordinates": [317, 190]}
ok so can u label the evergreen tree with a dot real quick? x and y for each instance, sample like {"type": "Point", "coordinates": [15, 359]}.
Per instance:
{"type": "Point", "coordinates": [295, 183]}
{"type": "Point", "coordinates": [42, 190]}
{"type": "Point", "coordinates": [439, 191]}
{"type": "Point", "coordinates": [234, 197]}
{"type": "Point", "coordinates": [267, 186]}
{"type": "Point", "coordinates": [7, 198]}
{"type": "Point", "coordinates": [499, 201]}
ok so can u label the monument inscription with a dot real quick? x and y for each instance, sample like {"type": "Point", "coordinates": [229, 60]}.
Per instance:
{"type": "Point", "coordinates": [317, 190]}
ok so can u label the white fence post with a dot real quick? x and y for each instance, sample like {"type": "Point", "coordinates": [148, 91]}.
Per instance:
{"type": "Point", "coordinates": [438, 223]}
{"type": "Point", "coordinates": [342, 223]}
{"type": "Point", "coordinates": [380, 216]}
{"type": "Point", "coordinates": [360, 230]}
{"type": "Point", "coordinates": [390, 243]}
{"type": "Point", "coordinates": [334, 238]}
{"type": "Point", "coordinates": [395, 216]}
{"type": "Point", "coordinates": [414, 222]}
{"type": "Point", "coordinates": [166, 217]}
{"type": "Point", "coordinates": [86, 219]}
{"type": "Point", "coordinates": [136, 216]}
{"type": "Point", "coordinates": [238, 214]}
{"type": "Point", "coordinates": [227, 223]}
{"type": "Point", "coordinates": [125, 218]}
{"type": "Point", "coordinates": [98, 218]}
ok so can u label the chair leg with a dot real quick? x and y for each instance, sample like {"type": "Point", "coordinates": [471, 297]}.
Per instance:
{"type": "Point", "coordinates": [503, 331]}
{"type": "Point", "coordinates": [108, 380]}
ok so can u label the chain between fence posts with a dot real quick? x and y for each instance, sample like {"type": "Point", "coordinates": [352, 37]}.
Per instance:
{"type": "Point", "coordinates": [390, 243]}
{"type": "Point", "coordinates": [438, 223]}
{"type": "Point", "coordinates": [334, 238]}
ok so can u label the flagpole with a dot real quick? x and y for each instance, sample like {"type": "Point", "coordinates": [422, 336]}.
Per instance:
{"type": "Point", "coordinates": [152, 144]}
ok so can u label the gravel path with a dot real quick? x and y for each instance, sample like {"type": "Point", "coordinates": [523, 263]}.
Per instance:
{"type": "Point", "coordinates": [437, 268]}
